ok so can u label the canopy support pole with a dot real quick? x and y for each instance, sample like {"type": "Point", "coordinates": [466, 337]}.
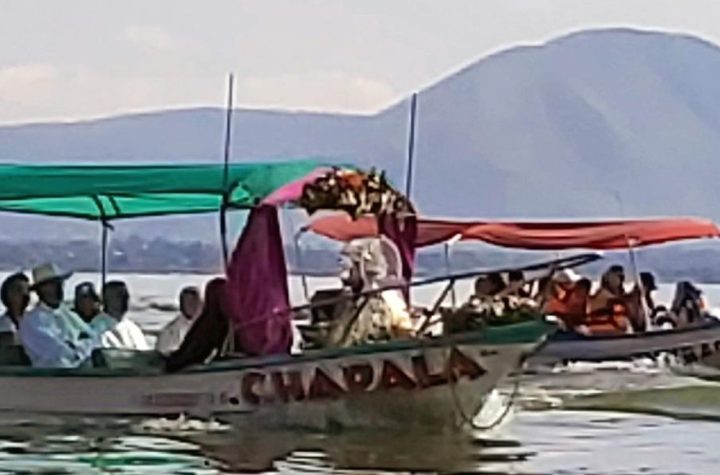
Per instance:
{"type": "Point", "coordinates": [448, 271]}
{"type": "Point", "coordinates": [226, 171]}
{"type": "Point", "coordinates": [411, 146]}
{"type": "Point", "coordinates": [638, 282]}
{"type": "Point", "coordinates": [298, 259]}
{"type": "Point", "coordinates": [448, 264]}
{"type": "Point", "coordinates": [633, 265]}
{"type": "Point", "coordinates": [105, 227]}
{"type": "Point", "coordinates": [223, 233]}
{"type": "Point", "coordinates": [104, 251]}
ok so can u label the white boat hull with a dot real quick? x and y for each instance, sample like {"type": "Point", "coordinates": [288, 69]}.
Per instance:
{"type": "Point", "coordinates": [437, 383]}
{"type": "Point", "coordinates": [690, 345]}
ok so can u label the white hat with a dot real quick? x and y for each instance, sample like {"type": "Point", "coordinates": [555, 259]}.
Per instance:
{"type": "Point", "coordinates": [566, 275]}
{"type": "Point", "coordinates": [46, 272]}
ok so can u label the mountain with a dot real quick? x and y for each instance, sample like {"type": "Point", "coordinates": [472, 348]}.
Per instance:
{"type": "Point", "coordinates": [598, 123]}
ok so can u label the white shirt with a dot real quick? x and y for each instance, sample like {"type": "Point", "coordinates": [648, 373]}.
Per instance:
{"type": "Point", "coordinates": [7, 325]}
{"type": "Point", "coordinates": [51, 337]}
{"type": "Point", "coordinates": [123, 334]}
{"type": "Point", "coordinates": [172, 336]}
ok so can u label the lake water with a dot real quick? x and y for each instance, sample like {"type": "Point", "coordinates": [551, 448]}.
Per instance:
{"type": "Point", "coordinates": [606, 419]}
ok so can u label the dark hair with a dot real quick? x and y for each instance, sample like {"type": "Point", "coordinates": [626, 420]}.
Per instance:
{"type": "Point", "coordinates": [617, 269]}
{"type": "Point", "coordinates": [191, 291]}
{"type": "Point", "coordinates": [122, 292]}
{"type": "Point", "coordinates": [515, 275]}
{"type": "Point", "coordinates": [497, 281]}
{"type": "Point", "coordinates": [647, 279]}
{"type": "Point", "coordinates": [7, 285]}
{"type": "Point", "coordinates": [116, 285]}
{"type": "Point", "coordinates": [86, 289]}
{"type": "Point", "coordinates": [584, 284]}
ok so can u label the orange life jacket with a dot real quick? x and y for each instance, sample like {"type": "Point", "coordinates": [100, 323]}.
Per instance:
{"type": "Point", "coordinates": [569, 303]}
{"type": "Point", "coordinates": [611, 320]}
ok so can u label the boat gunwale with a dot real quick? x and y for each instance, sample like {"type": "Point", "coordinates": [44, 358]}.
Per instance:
{"type": "Point", "coordinates": [513, 334]}
{"type": "Point", "coordinates": [578, 338]}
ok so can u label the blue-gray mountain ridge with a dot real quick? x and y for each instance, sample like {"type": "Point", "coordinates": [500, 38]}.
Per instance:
{"type": "Point", "coordinates": [598, 123]}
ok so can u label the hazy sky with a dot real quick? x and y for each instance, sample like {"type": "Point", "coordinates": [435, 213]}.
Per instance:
{"type": "Point", "coordinates": [70, 59]}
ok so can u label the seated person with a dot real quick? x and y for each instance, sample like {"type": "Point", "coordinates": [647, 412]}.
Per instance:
{"type": "Point", "coordinates": [15, 296]}
{"type": "Point", "coordinates": [515, 286]}
{"type": "Point", "coordinates": [566, 297]}
{"type": "Point", "coordinates": [87, 302]}
{"type": "Point", "coordinates": [173, 334]}
{"type": "Point", "coordinates": [641, 302]}
{"type": "Point", "coordinates": [689, 305]}
{"type": "Point", "coordinates": [209, 336]}
{"type": "Point", "coordinates": [373, 263]}
{"type": "Point", "coordinates": [489, 286]}
{"type": "Point", "coordinates": [115, 328]}
{"type": "Point", "coordinates": [608, 308]}
{"type": "Point", "coordinates": [649, 287]}
{"type": "Point", "coordinates": [53, 335]}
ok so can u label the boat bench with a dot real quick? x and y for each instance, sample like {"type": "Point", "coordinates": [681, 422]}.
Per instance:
{"type": "Point", "coordinates": [12, 356]}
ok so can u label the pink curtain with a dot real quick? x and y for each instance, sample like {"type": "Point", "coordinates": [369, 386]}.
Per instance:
{"type": "Point", "coordinates": [403, 233]}
{"type": "Point", "coordinates": [257, 290]}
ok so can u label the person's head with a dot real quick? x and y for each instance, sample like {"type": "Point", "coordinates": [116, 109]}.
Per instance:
{"type": "Point", "coordinates": [584, 285]}
{"type": "Point", "coordinates": [614, 279]}
{"type": "Point", "coordinates": [647, 280]}
{"type": "Point", "coordinates": [190, 302]}
{"type": "Point", "coordinates": [516, 282]}
{"type": "Point", "coordinates": [370, 260]}
{"type": "Point", "coordinates": [87, 301]}
{"type": "Point", "coordinates": [489, 285]}
{"type": "Point", "coordinates": [214, 297]}
{"type": "Point", "coordinates": [49, 282]}
{"type": "Point", "coordinates": [15, 294]}
{"type": "Point", "coordinates": [116, 299]}
{"type": "Point", "coordinates": [516, 277]}
{"type": "Point", "coordinates": [496, 281]}
{"type": "Point", "coordinates": [482, 286]}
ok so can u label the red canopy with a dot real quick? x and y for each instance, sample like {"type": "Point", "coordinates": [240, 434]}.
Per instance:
{"type": "Point", "coordinates": [600, 235]}
{"type": "Point", "coordinates": [341, 227]}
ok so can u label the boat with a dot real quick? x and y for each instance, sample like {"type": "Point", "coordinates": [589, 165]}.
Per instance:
{"type": "Point", "coordinates": [697, 344]}
{"type": "Point", "coordinates": [440, 381]}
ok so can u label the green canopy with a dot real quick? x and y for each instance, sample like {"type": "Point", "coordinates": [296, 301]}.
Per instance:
{"type": "Point", "coordinates": [107, 192]}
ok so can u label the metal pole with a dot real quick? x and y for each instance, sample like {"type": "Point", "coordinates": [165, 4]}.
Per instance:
{"type": "Point", "coordinates": [103, 255]}
{"type": "Point", "coordinates": [226, 170]}
{"type": "Point", "coordinates": [411, 146]}
{"type": "Point", "coordinates": [634, 268]}
{"type": "Point", "coordinates": [638, 282]}
{"type": "Point", "coordinates": [298, 259]}
{"type": "Point", "coordinates": [448, 271]}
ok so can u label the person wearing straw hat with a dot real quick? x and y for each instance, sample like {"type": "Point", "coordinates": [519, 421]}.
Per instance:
{"type": "Point", "coordinates": [53, 335]}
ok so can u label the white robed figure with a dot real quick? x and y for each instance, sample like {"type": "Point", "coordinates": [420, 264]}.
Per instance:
{"type": "Point", "coordinates": [370, 264]}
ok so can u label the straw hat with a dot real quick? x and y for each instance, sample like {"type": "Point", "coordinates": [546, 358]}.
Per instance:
{"type": "Point", "coordinates": [46, 273]}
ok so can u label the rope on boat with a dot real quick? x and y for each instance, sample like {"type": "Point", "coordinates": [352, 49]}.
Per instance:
{"type": "Point", "coordinates": [470, 420]}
